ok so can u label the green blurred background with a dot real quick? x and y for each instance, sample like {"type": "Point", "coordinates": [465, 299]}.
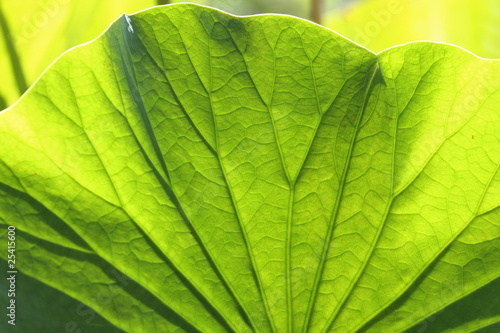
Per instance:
{"type": "Point", "coordinates": [35, 32]}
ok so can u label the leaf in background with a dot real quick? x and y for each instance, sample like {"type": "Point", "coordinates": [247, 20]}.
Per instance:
{"type": "Point", "coordinates": [379, 24]}
{"type": "Point", "coordinates": [257, 174]}
{"type": "Point", "coordinates": [3, 104]}
{"type": "Point", "coordinates": [249, 7]}
{"type": "Point", "coordinates": [42, 29]}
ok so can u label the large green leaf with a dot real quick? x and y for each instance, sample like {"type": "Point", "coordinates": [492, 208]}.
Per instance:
{"type": "Point", "coordinates": [190, 170]}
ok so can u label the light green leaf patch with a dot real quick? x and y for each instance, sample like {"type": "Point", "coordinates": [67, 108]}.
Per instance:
{"type": "Point", "coordinates": [213, 173]}
{"type": "Point", "coordinates": [33, 33]}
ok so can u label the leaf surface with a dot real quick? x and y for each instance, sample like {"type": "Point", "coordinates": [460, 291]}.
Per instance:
{"type": "Point", "coordinates": [216, 173]}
